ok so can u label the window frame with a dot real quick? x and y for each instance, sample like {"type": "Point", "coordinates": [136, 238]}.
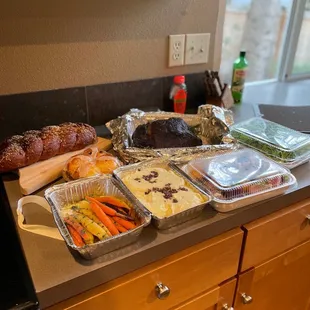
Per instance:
{"type": "Point", "coordinates": [290, 44]}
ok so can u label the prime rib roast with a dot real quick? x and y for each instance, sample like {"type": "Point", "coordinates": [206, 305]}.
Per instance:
{"type": "Point", "coordinates": [169, 133]}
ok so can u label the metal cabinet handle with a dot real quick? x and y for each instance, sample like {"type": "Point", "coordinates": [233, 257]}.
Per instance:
{"type": "Point", "coordinates": [162, 291]}
{"type": "Point", "coordinates": [226, 307]}
{"type": "Point", "coordinates": [308, 217]}
{"type": "Point", "coordinates": [246, 299]}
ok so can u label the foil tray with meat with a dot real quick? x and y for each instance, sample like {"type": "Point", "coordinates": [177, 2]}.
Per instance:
{"type": "Point", "coordinates": [139, 135]}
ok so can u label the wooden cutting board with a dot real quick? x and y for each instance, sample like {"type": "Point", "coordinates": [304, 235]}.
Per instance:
{"type": "Point", "coordinates": [35, 176]}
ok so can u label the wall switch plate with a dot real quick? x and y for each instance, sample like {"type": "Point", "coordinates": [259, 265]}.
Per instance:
{"type": "Point", "coordinates": [197, 48]}
{"type": "Point", "coordinates": [176, 50]}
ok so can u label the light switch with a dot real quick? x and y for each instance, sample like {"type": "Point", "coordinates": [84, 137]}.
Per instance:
{"type": "Point", "coordinates": [197, 48]}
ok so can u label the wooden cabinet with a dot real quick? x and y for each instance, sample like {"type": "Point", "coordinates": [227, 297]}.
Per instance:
{"type": "Point", "coordinates": [280, 283]}
{"type": "Point", "coordinates": [275, 234]}
{"type": "Point", "coordinates": [189, 274]}
{"type": "Point", "coordinates": [273, 272]}
{"type": "Point", "coordinates": [220, 298]}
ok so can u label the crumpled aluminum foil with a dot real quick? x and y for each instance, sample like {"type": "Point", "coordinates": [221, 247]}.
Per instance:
{"type": "Point", "coordinates": [208, 111]}
{"type": "Point", "coordinates": [201, 151]}
{"type": "Point", "coordinates": [211, 124]}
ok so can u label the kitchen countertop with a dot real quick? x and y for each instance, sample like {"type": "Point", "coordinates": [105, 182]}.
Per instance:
{"type": "Point", "coordinates": [58, 274]}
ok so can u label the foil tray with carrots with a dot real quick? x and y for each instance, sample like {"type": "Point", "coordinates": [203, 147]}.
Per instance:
{"type": "Point", "coordinates": [95, 216]}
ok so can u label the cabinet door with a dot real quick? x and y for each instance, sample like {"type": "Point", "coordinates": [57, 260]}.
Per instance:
{"type": "Point", "coordinates": [187, 274]}
{"type": "Point", "coordinates": [220, 298]}
{"type": "Point", "coordinates": [281, 283]}
{"type": "Point", "coordinates": [276, 233]}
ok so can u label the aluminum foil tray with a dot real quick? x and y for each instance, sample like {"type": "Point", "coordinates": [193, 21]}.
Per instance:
{"type": "Point", "coordinates": [228, 205]}
{"type": "Point", "coordinates": [123, 128]}
{"type": "Point", "coordinates": [63, 194]}
{"type": "Point", "coordinates": [173, 220]}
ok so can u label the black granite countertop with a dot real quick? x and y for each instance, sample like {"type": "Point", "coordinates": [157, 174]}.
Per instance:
{"type": "Point", "coordinates": [58, 274]}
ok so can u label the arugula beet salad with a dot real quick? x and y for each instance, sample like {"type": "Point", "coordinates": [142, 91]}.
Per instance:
{"type": "Point", "coordinates": [276, 141]}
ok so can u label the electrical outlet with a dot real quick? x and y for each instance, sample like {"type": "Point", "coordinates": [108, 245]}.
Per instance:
{"type": "Point", "coordinates": [176, 50]}
{"type": "Point", "coordinates": [197, 48]}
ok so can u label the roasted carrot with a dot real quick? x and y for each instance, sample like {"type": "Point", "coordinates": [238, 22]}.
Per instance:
{"type": "Point", "coordinates": [107, 210]}
{"type": "Point", "coordinates": [104, 208]}
{"type": "Point", "coordinates": [113, 201]}
{"type": "Point", "coordinates": [119, 227]}
{"type": "Point", "coordinates": [126, 224]}
{"type": "Point", "coordinates": [86, 235]}
{"type": "Point", "coordinates": [117, 209]}
{"type": "Point", "coordinates": [89, 213]}
{"type": "Point", "coordinates": [77, 239]}
{"type": "Point", "coordinates": [104, 218]}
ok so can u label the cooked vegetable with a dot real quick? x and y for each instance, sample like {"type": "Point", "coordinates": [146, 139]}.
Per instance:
{"type": "Point", "coordinates": [83, 204]}
{"type": "Point", "coordinates": [117, 209]}
{"type": "Point", "coordinates": [276, 141]}
{"type": "Point", "coordinates": [113, 201]}
{"type": "Point", "coordinates": [106, 209]}
{"type": "Point", "coordinates": [89, 213]}
{"type": "Point", "coordinates": [119, 227]}
{"type": "Point", "coordinates": [104, 218]}
{"type": "Point", "coordinates": [269, 150]}
{"type": "Point", "coordinates": [90, 225]}
{"type": "Point", "coordinates": [126, 224]}
{"type": "Point", "coordinates": [86, 235]}
{"type": "Point", "coordinates": [77, 239]}
{"type": "Point", "coordinates": [89, 219]}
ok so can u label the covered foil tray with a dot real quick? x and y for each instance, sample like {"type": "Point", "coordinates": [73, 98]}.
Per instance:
{"type": "Point", "coordinates": [123, 128]}
{"type": "Point", "coordinates": [173, 220]}
{"type": "Point", "coordinates": [234, 204]}
{"type": "Point", "coordinates": [63, 194]}
{"type": "Point", "coordinates": [230, 204]}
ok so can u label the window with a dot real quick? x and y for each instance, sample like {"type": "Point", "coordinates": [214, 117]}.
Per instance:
{"type": "Point", "coordinates": [268, 30]}
{"type": "Point", "coordinates": [302, 56]}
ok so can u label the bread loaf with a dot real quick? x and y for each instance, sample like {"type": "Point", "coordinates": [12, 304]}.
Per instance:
{"type": "Point", "coordinates": [35, 145]}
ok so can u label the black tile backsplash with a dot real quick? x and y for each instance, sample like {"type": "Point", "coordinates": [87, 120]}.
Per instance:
{"type": "Point", "coordinates": [34, 110]}
{"type": "Point", "coordinates": [93, 104]}
{"type": "Point", "coordinates": [108, 101]}
{"type": "Point", "coordinates": [196, 90]}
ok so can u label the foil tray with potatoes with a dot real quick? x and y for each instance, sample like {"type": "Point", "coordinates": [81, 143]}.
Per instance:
{"type": "Point", "coordinates": [162, 217]}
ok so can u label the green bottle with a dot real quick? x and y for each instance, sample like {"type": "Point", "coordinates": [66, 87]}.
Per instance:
{"type": "Point", "coordinates": [238, 77]}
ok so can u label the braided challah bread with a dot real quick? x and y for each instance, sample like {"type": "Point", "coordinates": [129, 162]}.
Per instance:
{"type": "Point", "coordinates": [36, 145]}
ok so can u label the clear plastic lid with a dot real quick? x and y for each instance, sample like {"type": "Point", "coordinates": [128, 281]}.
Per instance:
{"type": "Point", "coordinates": [237, 174]}
{"type": "Point", "coordinates": [272, 139]}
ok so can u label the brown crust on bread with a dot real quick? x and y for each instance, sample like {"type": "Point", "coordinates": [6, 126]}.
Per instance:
{"type": "Point", "coordinates": [68, 137]}
{"type": "Point", "coordinates": [12, 154]}
{"type": "Point", "coordinates": [32, 145]}
{"type": "Point", "coordinates": [51, 141]}
{"type": "Point", "coordinates": [35, 145]}
{"type": "Point", "coordinates": [84, 134]}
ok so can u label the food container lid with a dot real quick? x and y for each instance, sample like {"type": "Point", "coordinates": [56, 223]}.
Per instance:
{"type": "Point", "coordinates": [272, 139]}
{"type": "Point", "coordinates": [237, 174]}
